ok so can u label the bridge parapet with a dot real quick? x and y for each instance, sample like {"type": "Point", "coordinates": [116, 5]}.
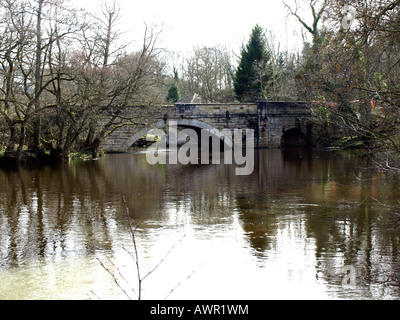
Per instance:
{"type": "Point", "coordinates": [230, 115]}
{"type": "Point", "coordinates": [216, 109]}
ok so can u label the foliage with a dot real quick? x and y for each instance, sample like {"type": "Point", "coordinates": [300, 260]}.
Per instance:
{"type": "Point", "coordinates": [174, 94]}
{"type": "Point", "coordinates": [251, 75]}
{"type": "Point", "coordinates": [353, 71]}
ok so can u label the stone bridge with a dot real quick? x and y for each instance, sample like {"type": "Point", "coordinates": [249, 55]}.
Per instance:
{"type": "Point", "coordinates": [276, 124]}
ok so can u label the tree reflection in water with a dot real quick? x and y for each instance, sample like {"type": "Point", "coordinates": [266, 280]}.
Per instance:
{"type": "Point", "coordinates": [305, 211]}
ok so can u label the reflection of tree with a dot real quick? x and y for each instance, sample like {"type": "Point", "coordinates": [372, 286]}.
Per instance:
{"type": "Point", "coordinates": [259, 223]}
{"type": "Point", "coordinates": [76, 209]}
{"type": "Point", "coordinates": [344, 228]}
{"type": "Point", "coordinates": [48, 215]}
{"type": "Point", "coordinates": [351, 236]}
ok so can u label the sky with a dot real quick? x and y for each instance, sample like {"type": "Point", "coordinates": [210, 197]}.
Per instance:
{"type": "Point", "coordinates": [188, 23]}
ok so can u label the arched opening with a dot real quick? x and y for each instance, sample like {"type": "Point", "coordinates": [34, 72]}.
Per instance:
{"type": "Point", "coordinates": [293, 138]}
{"type": "Point", "coordinates": [195, 125]}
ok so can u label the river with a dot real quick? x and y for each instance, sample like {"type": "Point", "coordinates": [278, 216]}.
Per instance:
{"type": "Point", "coordinates": [304, 225]}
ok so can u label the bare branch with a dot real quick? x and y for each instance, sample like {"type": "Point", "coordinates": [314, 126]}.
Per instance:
{"type": "Point", "coordinates": [114, 278]}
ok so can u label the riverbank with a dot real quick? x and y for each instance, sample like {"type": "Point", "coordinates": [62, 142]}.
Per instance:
{"type": "Point", "coordinates": [45, 158]}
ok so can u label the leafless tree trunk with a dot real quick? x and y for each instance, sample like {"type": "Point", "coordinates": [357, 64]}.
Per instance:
{"type": "Point", "coordinates": [106, 36]}
{"type": "Point", "coordinates": [38, 78]}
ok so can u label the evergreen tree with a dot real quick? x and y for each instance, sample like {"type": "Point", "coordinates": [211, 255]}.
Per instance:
{"type": "Point", "coordinates": [251, 74]}
{"type": "Point", "coordinates": [173, 91]}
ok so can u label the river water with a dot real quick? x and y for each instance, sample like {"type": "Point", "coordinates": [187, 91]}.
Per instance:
{"type": "Point", "coordinates": [288, 231]}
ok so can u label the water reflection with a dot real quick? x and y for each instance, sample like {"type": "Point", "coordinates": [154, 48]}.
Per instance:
{"type": "Point", "coordinates": [295, 222]}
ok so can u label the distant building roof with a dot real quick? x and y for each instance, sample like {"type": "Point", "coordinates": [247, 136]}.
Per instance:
{"type": "Point", "coordinates": [193, 98]}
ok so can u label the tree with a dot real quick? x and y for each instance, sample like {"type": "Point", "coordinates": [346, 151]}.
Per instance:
{"type": "Point", "coordinates": [38, 76]}
{"type": "Point", "coordinates": [26, 52]}
{"type": "Point", "coordinates": [280, 85]}
{"type": "Point", "coordinates": [133, 79]}
{"type": "Point", "coordinates": [208, 73]}
{"type": "Point", "coordinates": [63, 76]}
{"type": "Point", "coordinates": [251, 75]}
{"type": "Point", "coordinates": [318, 9]}
{"type": "Point", "coordinates": [355, 86]}
{"type": "Point", "coordinates": [174, 94]}
{"type": "Point", "coordinates": [102, 49]}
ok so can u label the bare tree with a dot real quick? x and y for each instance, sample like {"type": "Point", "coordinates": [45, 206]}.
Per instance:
{"type": "Point", "coordinates": [282, 66]}
{"type": "Point", "coordinates": [107, 90]}
{"type": "Point", "coordinates": [208, 73]}
{"type": "Point", "coordinates": [317, 8]}
{"type": "Point", "coordinates": [102, 48]}
{"type": "Point", "coordinates": [63, 74]}
{"type": "Point", "coordinates": [23, 81]}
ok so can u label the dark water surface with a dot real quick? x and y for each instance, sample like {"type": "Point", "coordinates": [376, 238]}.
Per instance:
{"type": "Point", "coordinates": [285, 232]}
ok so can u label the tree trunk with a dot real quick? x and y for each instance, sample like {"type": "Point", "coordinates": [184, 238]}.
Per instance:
{"type": "Point", "coordinates": [10, 150]}
{"type": "Point", "coordinates": [38, 80]}
{"type": "Point", "coordinates": [21, 142]}
{"type": "Point", "coordinates": [90, 136]}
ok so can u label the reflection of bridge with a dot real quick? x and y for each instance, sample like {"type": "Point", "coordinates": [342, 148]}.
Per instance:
{"type": "Point", "coordinates": [276, 124]}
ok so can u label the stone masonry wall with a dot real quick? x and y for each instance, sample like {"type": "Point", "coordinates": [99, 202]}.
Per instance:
{"type": "Point", "coordinates": [268, 119]}
{"type": "Point", "coordinates": [277, 117]}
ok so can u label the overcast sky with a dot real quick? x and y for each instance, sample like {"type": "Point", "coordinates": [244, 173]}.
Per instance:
{"type": "Point", "coordinates": [188, 23]}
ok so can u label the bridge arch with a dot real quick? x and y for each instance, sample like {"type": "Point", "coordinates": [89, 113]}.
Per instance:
{"type": "Point", "coordinates": [141, 133]}
{"type": "Point", "coordinates": [187, 123]}
{"type": "Point", "coordinates": [293, 138]}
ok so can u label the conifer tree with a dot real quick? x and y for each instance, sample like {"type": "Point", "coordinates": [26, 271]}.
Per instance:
{"type": "Point", "coordinates": [173, 91]}
{"type": "Point", "coordinates": [251, 74]}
